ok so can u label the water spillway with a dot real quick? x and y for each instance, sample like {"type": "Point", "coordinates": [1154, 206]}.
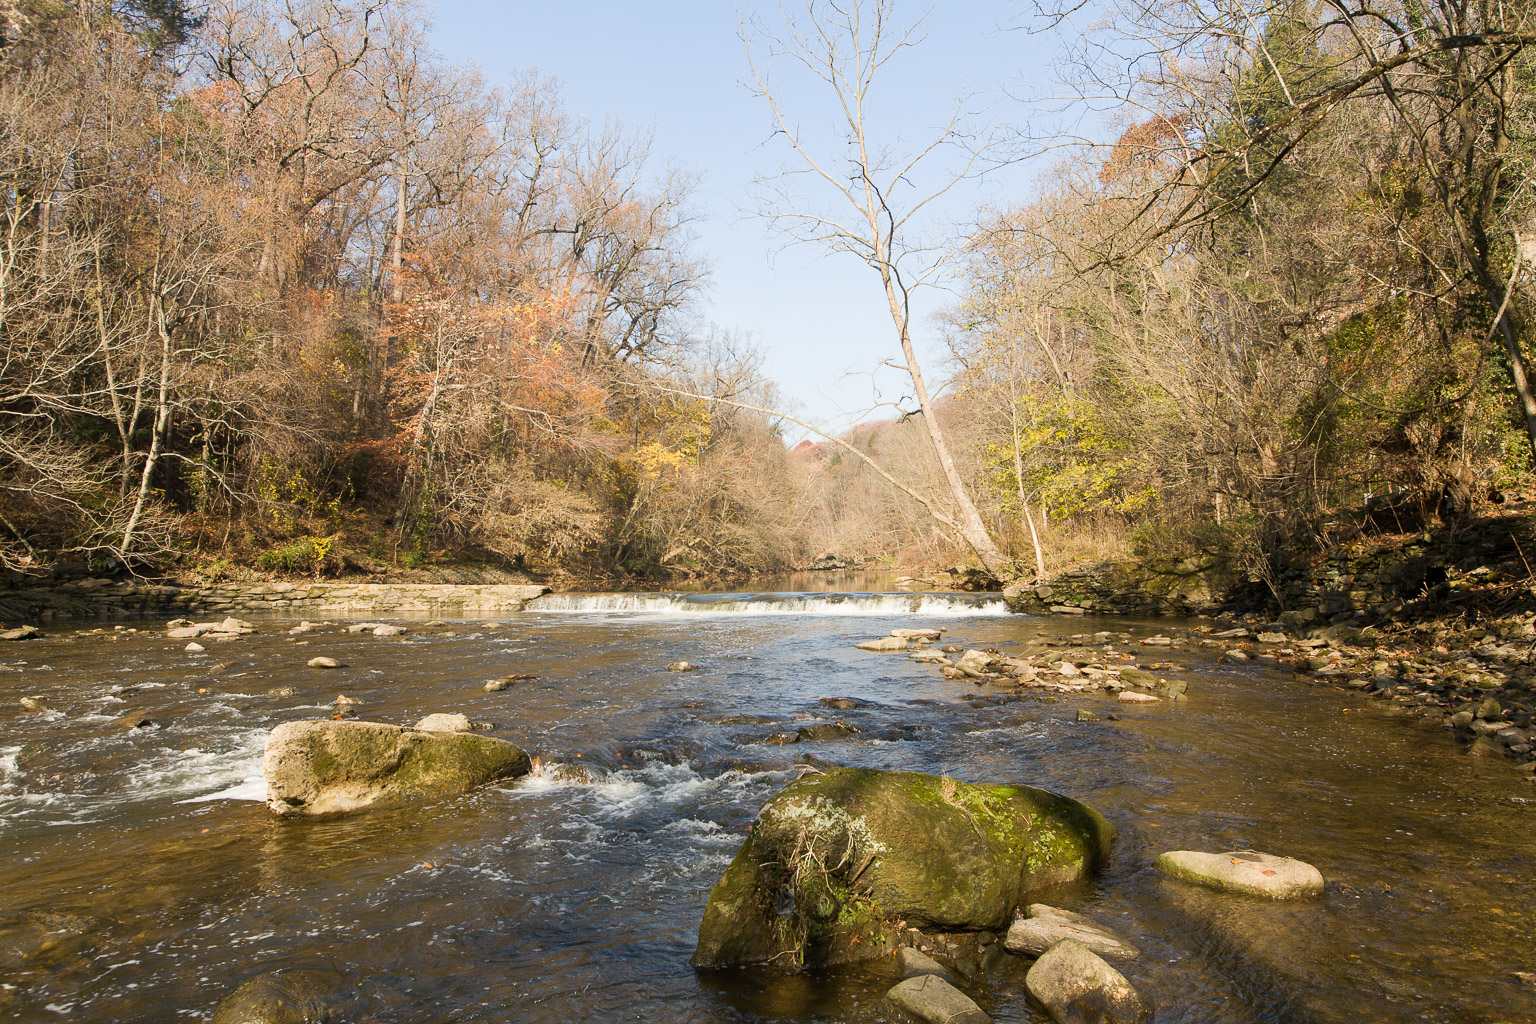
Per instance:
{"type": "Point", "coordinates": [926, 606]}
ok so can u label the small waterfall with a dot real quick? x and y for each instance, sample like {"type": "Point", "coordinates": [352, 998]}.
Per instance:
{"type": "Point", "coordinates": [932, 606]}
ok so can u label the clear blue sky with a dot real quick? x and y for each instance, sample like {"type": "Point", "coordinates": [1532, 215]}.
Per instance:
{"type": "Point", "coordinates": [677, 68]}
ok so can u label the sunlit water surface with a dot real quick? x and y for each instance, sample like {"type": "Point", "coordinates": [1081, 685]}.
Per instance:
{"type": "Point", "coordinates": [537, 901]}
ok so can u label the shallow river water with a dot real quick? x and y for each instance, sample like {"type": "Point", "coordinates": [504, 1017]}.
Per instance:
{"type": "Point", "coordinates": [546, 902]}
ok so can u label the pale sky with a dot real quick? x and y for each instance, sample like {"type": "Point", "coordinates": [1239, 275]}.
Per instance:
{"type": "Point", "coordinates": [677, 68]}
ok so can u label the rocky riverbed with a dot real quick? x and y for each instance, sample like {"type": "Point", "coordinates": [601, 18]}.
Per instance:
{"type": "Point", "coordinates": [142, 874]}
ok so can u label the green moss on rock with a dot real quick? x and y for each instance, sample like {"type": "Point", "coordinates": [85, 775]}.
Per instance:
{"type": "Point", "coordinates": [323, 768]}
{"type": "Point", "coordinates": [838, 857]}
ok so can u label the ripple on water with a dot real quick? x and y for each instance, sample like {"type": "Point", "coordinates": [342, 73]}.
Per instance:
{"type": "Point", "coordinates": [548, 900]}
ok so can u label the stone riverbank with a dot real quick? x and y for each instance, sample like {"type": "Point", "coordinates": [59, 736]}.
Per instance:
{"type": "Point", "coordinates": [104, 599]}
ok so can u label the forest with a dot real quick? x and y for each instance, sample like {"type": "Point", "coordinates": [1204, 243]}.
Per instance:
{"type": "Point", "coordinates": [284, 291]}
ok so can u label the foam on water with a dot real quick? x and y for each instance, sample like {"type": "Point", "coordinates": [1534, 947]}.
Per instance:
{"type": "Point", "coordinates": [931, 606]}
{"type": "Point", "coordinates": [10, 771]}
{"type": "Point", "coordinates": [630, 790]}
{"type": "Point", "coordinates": [229, 767]}
{"type": "Point", "coordinates": [253, 788]}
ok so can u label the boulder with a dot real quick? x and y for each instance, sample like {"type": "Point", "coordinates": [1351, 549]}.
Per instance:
{"type": "Point", "coordinates": [234, 625]}
{"type": "Point", "coordinates": [194, 647]}
{"type": "Point", "coordinates": [33, 704]}
{"type": "Point", "coordinates": [913, 963]}
{"type": "Point", "coordinates": [930, 998]}
{"type": "Point", "coordinates": [1258, 874]}
{"type": "Point", "coordinates": [364, 627]}
{"type": "Point", "coordinates": [189, 632]}
{"type": "Point", "coordinates": [21, 633]}
{"type": "Point", "coordinates": [681, 666]}
{"type": "Point", "coordinates": [885, 643]}
{"type": "Point", "coordinates": [1076, 986]}
{"type": "Point", "coordinates": [1045, 926]}
{"type": "Point", "coordinates": [838, 858]}
{"type": "Point", "coordinates": [441, 722]}
{"type": "Point", "coordinates": [323, 662]}
{"type": "Point", "coordinates": [289, 996]}
{"type": "Point", "coordinates": [826, 731]}
{"type": "Point", "coordinates": [332, 767]}
{"type": "Point", "coordinates": [389, 631]}
{"type": "Point", "coordinates": [918, 634]}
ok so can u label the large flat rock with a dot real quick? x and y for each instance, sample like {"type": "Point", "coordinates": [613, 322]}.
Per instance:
{"type": "Point", "coordinates": [1045, 926]}
{"type": "Point", "coordinates": [334, 767]}
{"type": "Point", "coordinates": [1257, 874]}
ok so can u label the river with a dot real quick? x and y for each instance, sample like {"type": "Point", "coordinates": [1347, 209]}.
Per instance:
{"type": "Point", "coordinates": [542, 901]}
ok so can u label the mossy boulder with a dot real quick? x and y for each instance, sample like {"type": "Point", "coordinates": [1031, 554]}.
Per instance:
{"type": "Point", "coordinates": [838, 858]}
{"type": "Point", "coordinates": [332, 767]}
{"type": "Point", "coordinates": [290, 996]}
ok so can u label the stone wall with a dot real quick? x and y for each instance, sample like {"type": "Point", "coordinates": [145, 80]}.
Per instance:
{"type": "Point", "coordinates": [1118, 588]}
{"type": "Point", "coordinates": [104, 599]}
{"type": "Point", "coordinates": [1366, 581]}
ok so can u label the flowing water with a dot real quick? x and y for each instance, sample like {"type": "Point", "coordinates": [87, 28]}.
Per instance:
{"type": "Point", "coordinates": [555, 902]}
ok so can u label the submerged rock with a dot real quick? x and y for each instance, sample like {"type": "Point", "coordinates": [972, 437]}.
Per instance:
{"type": "Point", "coordinates": [930, 998]}
{"type": "Point", "coordinates": [681, 666]}
{"type": "Point", "coordinates": [289, 996]}
{"type": "Point", "coordinates": [838, 858]}
{"type": "Point", "coordinates": [1257, 874]}
{"type": "Point", "coordinates": [573, 774]}
{"type": "Point", "coordinates": [826, 731]}
{"type": "Point", "coordinates": [322, 768]}
{"type": "Point", "coordinates": [1076, 986]}
{"type": "Point", "coordinates": [37, 938]}
{"type": "Point", "coordinates": [1045, 926]}
{"type": "Point", "coordinates": [33, 704]}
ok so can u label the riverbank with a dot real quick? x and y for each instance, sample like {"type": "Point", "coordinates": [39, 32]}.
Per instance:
{"type": "Point", "coordinates": [1440, 623]}
{"type": "Point", "coordinates": [106, 599]}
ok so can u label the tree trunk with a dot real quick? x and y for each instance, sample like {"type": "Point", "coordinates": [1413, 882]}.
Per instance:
{"type": "Point", "coordinates": [972, 530]}
{"type": "Point", "coordinates": [157, 437]}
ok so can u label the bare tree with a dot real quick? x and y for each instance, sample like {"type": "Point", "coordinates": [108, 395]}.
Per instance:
{"type": "Point", "coordinates": [871, 207]}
